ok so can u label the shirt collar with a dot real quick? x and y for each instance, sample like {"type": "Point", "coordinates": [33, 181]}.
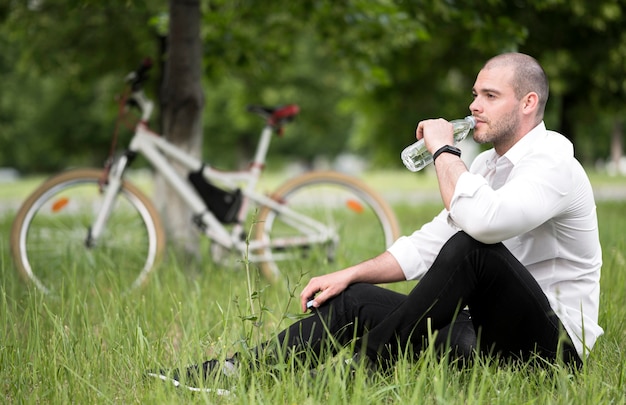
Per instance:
{"type": "Point", "coordinates": [520, 148]}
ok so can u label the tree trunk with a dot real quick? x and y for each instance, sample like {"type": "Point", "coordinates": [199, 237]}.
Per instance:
{"type": "Point", "coordinates": [182, 101]}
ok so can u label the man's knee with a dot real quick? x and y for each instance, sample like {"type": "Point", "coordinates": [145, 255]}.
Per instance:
{"type": "Point", "coordinates": [463, 243]}
{"type": "Point", "coordinates": [463, 239]}
{"type": "Point", "coordinates": [459, 244]}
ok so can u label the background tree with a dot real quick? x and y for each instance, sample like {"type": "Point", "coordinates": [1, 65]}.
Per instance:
{"type": "Point", "coordinates": [182, 101]}
{"type": "Point", "coordinates": [60, 66]}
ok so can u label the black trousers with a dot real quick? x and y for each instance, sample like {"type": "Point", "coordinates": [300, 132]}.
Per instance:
{"type": "Point", "coordinates": [477, 296]}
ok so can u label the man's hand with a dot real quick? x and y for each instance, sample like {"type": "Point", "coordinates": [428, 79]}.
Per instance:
{"type": "Point", "coordinates": [436, 133]}
{"type": "Point", "coordinates": [327, 286]}
{"type": "Point", "coordinates": [381, 269]}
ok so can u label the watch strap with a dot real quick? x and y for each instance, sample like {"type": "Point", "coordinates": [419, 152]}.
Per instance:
{"type": "Point", "coordinates": [447, 149]}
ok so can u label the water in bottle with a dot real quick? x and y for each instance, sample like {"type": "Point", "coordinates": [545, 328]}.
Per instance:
{"type": "Point", "coordinates": [415, 157]}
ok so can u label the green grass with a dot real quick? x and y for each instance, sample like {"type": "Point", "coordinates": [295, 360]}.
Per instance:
{"type": "Point", "coordinates": [93, 346]}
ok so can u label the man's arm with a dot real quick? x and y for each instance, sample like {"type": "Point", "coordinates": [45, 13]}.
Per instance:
{"type": "Point", "coordinates": [382, 269]}
{"type": "Point", "coordinates": [385, 268]}
{"type": "Point", "coordinates": [438, 133]}
{"type": "Point", "coordinates": [449, 168]}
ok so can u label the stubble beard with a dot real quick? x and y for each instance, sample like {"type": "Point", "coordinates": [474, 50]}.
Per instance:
{"type": "Point", "coordinates": [499, 132]}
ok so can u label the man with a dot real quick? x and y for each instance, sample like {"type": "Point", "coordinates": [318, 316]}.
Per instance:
{"type": "Point", "coordinates": [514, 258]}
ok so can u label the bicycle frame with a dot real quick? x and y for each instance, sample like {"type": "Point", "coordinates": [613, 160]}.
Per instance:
{"type": "Point", "coordinates": [157, 150]}
{"type": "Point", "coordinates": [103, 223]}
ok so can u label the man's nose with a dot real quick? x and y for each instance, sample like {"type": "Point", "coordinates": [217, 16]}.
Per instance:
{"type": "Point", "coordinates": [474, 105]}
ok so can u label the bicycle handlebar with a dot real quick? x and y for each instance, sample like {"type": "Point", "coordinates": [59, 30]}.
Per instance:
{"type": "Point", "coordinates": [140, 75]}
{"type": "Point", "coordinates": [137, 98]}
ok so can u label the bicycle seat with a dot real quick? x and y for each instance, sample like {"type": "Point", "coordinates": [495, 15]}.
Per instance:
{"type": "Point", "coordinates": [276, 116]}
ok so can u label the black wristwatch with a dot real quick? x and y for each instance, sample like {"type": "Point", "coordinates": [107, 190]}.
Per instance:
{"type": "Point", "coordinates": [447, 149]}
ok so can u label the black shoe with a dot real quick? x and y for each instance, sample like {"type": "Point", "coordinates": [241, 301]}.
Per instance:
{"type": "Point", "coordinates": [195, 377]}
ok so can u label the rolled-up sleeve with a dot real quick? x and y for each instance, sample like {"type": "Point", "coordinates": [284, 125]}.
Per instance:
{"type": "Point", "coordinates": [467, 185]}
{"type": "Point", "coordinates": [416, 253]}
{"type": "Point", "coordinates": [535, 192]}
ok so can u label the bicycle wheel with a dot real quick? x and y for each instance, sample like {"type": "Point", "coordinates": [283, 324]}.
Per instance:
{"type": "Point", "coordinates": [49, 233]}
{"type": "Point", "coordinates": [362, 223]}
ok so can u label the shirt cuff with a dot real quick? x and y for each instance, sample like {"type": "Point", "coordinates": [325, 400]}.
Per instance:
{"type": "Point", "coordinates": [466, 186]}
{"type": "Point", "coordinates": [409, 259]}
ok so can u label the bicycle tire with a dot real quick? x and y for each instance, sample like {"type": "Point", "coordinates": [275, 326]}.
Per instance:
{"type": "Point", "coordinates": [49, 232]}
{"type": "Point", "coordinates": [365, 224]}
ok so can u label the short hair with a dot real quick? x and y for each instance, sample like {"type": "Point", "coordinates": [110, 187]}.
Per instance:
{"type": "Point", "coordinates": [528, 76]}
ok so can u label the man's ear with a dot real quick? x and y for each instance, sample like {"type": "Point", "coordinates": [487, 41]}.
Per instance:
{"type": "Point", "coordinates": [530, 102]}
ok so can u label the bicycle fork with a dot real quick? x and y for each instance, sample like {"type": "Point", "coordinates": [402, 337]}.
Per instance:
{"type": "Point", "coordinates": [112, 185]}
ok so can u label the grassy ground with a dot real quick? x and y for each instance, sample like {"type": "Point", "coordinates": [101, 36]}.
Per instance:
{"type": "Point", "coordinates": [94, 346]}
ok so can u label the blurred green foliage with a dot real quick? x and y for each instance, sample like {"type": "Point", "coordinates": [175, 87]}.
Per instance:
{"type": "Point", "coordinates": [363, 71]}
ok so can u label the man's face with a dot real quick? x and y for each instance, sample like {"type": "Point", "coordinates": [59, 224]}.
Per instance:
{"type": "Point", "coordinates": [495, 107]}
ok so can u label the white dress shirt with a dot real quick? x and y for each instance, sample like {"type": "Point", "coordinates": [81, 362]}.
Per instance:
{"type": "Point", "coordinates": [538, 201]}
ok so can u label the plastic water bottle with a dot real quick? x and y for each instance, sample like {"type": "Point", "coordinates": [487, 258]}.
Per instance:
{"type": "Point", "coordinates": [416, 157]}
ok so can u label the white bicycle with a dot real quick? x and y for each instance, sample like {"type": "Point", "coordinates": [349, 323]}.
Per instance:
{"type": "Point", "coordinates": [94, 225]}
